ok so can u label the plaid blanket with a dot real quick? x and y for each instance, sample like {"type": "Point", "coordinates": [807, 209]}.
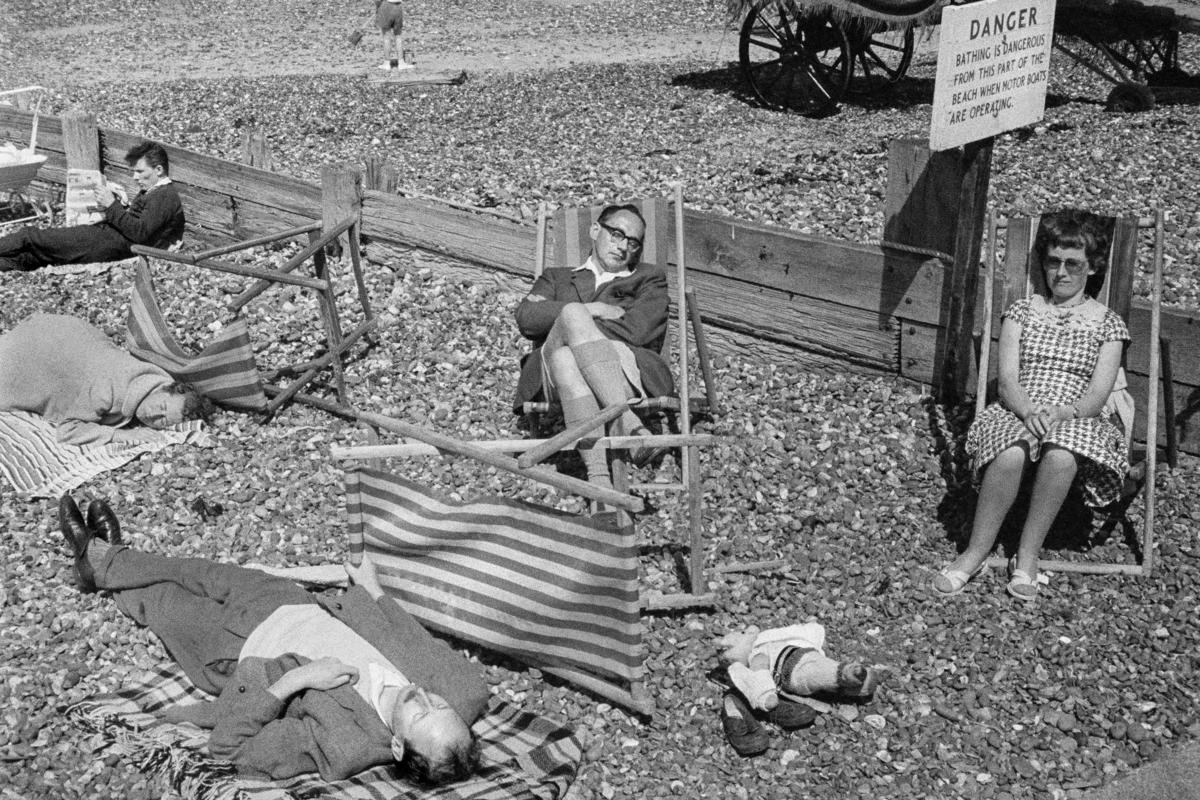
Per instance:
{"type": "Point", "coordinates": [38, 465]}
{"type": "Point", "coordinates": [524, 756]}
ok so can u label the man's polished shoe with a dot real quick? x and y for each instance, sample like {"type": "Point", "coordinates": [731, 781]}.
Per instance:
{"type": "Point", "coordinates": [103, 522]}
{"type": "Point", "coordinates": [77, 534]}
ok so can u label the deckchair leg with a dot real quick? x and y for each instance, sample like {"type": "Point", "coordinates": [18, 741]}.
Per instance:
{"type": "Point", "coordinates": [695, 518]}
{"type": "Point", "coordinates": [1172, 434]}
{"type": "Point", "coordinates": [364, 297]}
{"type": "Point", "coordinates": [327, 299]}
{"type": "Point", "coordinates": [710, 384]}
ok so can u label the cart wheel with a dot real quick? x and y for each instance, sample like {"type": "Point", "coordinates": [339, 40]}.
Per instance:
{"type": "Point", "coordinates": [881, 59]}
{"type": "Point", "coordinates": [1130, 98]}
{"type": "Point", "coordinates": [798, 63]}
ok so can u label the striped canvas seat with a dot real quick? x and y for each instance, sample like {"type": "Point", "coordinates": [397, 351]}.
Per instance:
{"type": "Point", "coordinates": [224, 371]}
{"type": "Point", "coordinates": [549, 588]}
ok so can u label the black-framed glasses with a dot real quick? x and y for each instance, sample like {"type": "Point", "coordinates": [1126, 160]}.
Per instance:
{"type": "Point", "coordinates": [621, 236]}
{"type": "Point", "coordinates": [1074, 266]}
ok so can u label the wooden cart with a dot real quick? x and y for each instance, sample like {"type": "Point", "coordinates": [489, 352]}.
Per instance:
{"type": "Point", "coordinates": [18, 168]}
{"type": "Point", "coordinates": [807, 55]}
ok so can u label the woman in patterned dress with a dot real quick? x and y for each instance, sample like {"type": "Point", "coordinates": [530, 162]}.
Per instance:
{"type": "Point", "coordinates": [1058, 360]}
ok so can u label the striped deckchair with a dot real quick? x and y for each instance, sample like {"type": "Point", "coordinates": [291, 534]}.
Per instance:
{"type": "Point", "coordinates": [224, 371]}
{"type": "Point", "coordinates": [554, 590]}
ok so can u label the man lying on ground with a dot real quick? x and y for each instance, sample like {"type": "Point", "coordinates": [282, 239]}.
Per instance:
{"type": "Point", "coordinates": [307, 683]}
{"type": "Point", "coordinates": [154, 218]}
{"type": "Point", "coordinates": [598, 329]}
{"type": "Point", "coordinates": [70, 373]}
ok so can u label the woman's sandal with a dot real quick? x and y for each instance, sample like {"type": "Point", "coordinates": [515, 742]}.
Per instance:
{"type": "Point", "coordinates": [1021, 584]}
{"type": "Point", "coordinates": [949, 582]}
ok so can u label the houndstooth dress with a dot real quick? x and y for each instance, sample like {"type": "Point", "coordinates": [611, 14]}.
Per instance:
{"type": "Point", "coordinates": [1058, 353]}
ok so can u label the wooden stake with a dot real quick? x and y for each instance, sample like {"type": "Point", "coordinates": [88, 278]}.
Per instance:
{"type": "Point", "coordinates": [81, 140]}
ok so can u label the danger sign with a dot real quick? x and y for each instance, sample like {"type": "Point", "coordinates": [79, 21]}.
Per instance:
{"type": "Point", "coordinates": [993, 69]}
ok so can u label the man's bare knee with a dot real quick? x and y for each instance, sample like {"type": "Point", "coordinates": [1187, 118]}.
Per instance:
{"type": "Point", "coordinates": [576, 320]}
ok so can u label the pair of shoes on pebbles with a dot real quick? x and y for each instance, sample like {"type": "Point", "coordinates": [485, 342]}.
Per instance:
{"type": "Point", "coordinates": [747, 735]}
{"type": "Point", "coordinates": [101, 523]}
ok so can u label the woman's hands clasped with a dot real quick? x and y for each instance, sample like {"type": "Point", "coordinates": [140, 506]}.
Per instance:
{"type": "Point", "coordinates": [1043, 419]}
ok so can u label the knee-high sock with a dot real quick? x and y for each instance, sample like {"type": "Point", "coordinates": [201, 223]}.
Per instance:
{"type": "Point", "coordinates": [595, 459]}
{"type": "Point", "coordinates": [601, 367]}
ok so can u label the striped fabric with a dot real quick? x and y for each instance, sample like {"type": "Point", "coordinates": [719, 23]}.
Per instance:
{"type": "Point", "coordinates": [523, 756]}
{"type": "Point", "coordinates": [549, 588]}
{"type": "Point", "coordinates": [37, 465]}
{"type": "Point", "coordinates": [224, 371]}
{"type": "Point", "coordinates": [571, 232]}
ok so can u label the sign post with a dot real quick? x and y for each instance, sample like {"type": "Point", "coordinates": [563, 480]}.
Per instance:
{"type": "Point", "coordinates": [992, 71]}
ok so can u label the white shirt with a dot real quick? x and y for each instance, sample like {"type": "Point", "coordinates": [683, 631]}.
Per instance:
{"type": "Point", "coordinates": [311, 631]}
{"type": "Point", "coordinates": [602, 275]}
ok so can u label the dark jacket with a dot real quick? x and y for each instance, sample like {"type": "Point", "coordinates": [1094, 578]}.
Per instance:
{"type": "Point", "coordinates": [153, 218]}
{"type": "Point", "coordinates": [335, 733]}
{"type": "Point", "coordinates": [644, 297]}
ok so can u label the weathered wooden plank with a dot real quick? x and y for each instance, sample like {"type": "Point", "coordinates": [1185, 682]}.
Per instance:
{"type": "Point", "coordinates": [921, 351]}
{"type": "Point", "coordinates": [16, 125]}
{"type": "Point", "coordinates": [253, 219]}
{"type": "Point", "coordinates": [827, 329]}
{"type": "Point", "coordinates": [82, 140]}
{"type": "Point", "coordinates": [1182, 330]}
{"type": "Point", "coordinates": [482, 238]}
{"type": "Point", "coordinates": [272, 189]}
{"type": "Point", "coordinates": [856, 275]}
{"type": "Point", "coordinates": [211, 211]}
{"type": "Point", "coordinates": [1187, 413]}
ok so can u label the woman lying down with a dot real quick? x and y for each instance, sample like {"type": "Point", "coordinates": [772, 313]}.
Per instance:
{"type": "Point", "coordinates": [70, 373]}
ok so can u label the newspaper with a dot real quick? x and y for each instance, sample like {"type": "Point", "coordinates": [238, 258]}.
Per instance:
{"type": "Point", "coordinates": [82, 185]}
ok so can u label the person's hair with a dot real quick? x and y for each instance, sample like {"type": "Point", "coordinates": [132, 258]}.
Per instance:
{"type": "Point", "coordinates": [154, 154]}
{"type": "Point", "coordinates": [607, 212]}
{"type": "Point", "coordinates": [195, 405]}
{"type": "Point", "coordinates": [1076, 228]}
{"type": "Point", "coordinates": [457, 764]}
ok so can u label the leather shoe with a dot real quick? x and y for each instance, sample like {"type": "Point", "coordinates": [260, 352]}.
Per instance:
{"type": "Point", "coordinates": [78, 535]}
{"type": "Point", "coordinates": [103, 522]}
{"type": "Point", "coordinates": [745, 733]}
{"type": "Point", "coordinates": [790, 715]}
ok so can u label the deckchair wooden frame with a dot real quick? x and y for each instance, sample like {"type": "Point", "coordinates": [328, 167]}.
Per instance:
{"type": "Point", "coordinates": [1116, 293]}
{"type": "Point", "coordinates": [570, 247]}
{"type": "Point", "coordinates": [322, 284]}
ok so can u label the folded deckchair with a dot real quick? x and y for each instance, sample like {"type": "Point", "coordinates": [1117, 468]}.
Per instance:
{"type": "Point", "coordinates": [523, 756]}
{"type": "Point", "coordinates": [554, 590]}
{"type": "Point", "coordinates": [38, 465]}
{"type": "Point", "coordinates": [224, 370]}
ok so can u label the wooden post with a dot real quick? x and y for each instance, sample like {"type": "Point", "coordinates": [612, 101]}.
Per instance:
{"type": "Point", "coordinates": [937, 201]}
{"type": "Point", "coordinates": [380, 175]}
{"type": "Point", "coordinates": [255, 150]}
{"type": "Point", "coordinates": [81, 140]}
{"type": "Point", "coordinates": [341, 195]}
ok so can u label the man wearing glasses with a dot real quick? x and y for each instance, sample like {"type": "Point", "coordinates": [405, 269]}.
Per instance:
{"type": "Point", "coordinates": [597, 330]}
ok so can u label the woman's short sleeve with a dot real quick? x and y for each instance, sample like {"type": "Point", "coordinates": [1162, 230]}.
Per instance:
{"type": "Point", "coordinates": [1113, 328]}
{"type": "Point", "coordinates": [1018, 312]}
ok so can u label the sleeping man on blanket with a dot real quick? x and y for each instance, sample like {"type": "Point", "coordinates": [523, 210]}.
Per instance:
{"type": "Point", "coordinates": [306, 683]}
{"type": "Point", "coordinates": [70, 373]}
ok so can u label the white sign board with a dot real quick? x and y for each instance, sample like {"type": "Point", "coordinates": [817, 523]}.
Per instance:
{"type": "Point", "coordinates": [992, 69]}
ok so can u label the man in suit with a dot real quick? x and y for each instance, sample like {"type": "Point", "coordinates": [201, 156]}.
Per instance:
{"type": "Point", "coordinates": [333, 684]}
{"type": "Point", "coordinates": [597, 329]}
{"type": "Point", "coordinates": [154, 218]}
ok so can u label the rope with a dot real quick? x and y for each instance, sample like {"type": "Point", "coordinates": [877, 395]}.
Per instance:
{"type": "Point", "coordinates": [921, 251]}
